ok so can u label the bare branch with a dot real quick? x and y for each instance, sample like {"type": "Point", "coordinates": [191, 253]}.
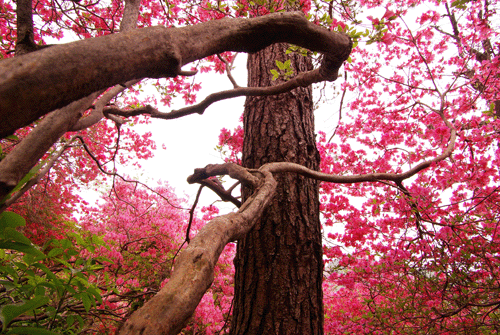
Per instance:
{"type": "Point", "coordinates": [128, 23]}
{"type": "Point", "coordinates": [168, 311]}
{"type": "Point", "coordinates": [233, 170]}
{"type": "Point", "coordinates": [302, 80]}
{"type": "Point", "coordinates": [115, 174]}
{"type": "Point", "coordinates": [99, 106]}
{"type": "Point", "coordinates": [191, 214]}
{"type": "Point", "coordinates": [225, 195]}
{"type": "Point", "coordinates": [228, 70]}
{"type": "Point", "coordinates": [26, 154]}
{"type": "Point", "coordinates": [130, 15]}
{"type": "Point", "coordinates": [281, 167]}
{"type": "Point", "coordinates": [25, 35]}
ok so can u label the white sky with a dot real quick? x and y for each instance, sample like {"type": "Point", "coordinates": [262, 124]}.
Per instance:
{"type": "Point", "coordinates": [191, 140]}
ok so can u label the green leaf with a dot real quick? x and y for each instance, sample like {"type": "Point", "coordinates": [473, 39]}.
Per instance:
{"type": "Point", "coordinates": [95, 293]}
{"type": "Point", "coordinates": [10, 219]}
{"type": "Point", "coordinates": [459, 3]}
{"type": "Point", "coordinates": [27, 177]}
{"type": "Point", "coordinates": [20, 247]}
{"type": "Point", "coordinates": [70, 320]}
{"type": "Point", "coordinates": [55, 252]}
{"type": "Point", "coordinates": [31, 331]}
{"type": "Point", "coordinates": [21, 265]}
{"type": "Point", "coordinates": [275, 74]}
{"type": "Point", "coordinates": [70, 289]}
{"type": "Point", "coordinates": [8, 284]}
{"type": "Point", "coordinates": [14, 235]}
{"type": "Point", "coordinates": [40, 290]}
{"type": "Point", "coordinates": [78, 238]}
{"type": "Point", "coordinates": [287, 64]}
{"type": "Point", "coordinates": [50, 275]}
{"type": "Point", "coordinates": [63, 262]}
{"type": "Point", "coordinates": [280, 65]}
{"type": "Point", "coordinates": [65, 243]}
{"type": "Point", "coordinates": [8, 270]}
{"type": "Point", "coordinates": [86, 301]}
{"type": "Point", "coordinates": [12, 137]}
{"type": "Point", "coordinates": [10, 312]}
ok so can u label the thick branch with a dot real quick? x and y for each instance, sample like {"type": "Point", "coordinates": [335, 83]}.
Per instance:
{"type": "Point", "coordinates": [32, 148]}
{"type": "Point", "coordinates": [25, 36]}
{"type": "Point", "coordinates": [37, 83]}
{"type": "Point", "coordinates": [26, 154]}
{"type": "Point", "coordinates": [220, 191]}
{"type": "Point", "coordinates": [48, 165]}
{"type": "Point", "coordinates": [169, 310]}
{"type": "Point", "coordinates": [99, 107]}
{"type": "Point", "coordinates": [232, 170]}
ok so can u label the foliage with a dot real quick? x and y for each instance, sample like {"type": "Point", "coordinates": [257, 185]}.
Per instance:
{"type": "Point", "coordinates": [418, 256]}
{"type": "Point", "coordinates": [414, 257]}
{"type": "Point", "coordinates": [47, 290]}
{"type": "Point", "coordinates": [142, 233]}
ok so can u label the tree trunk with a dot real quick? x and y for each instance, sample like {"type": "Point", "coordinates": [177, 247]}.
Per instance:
{"type": "Point", "coordinates": [279, 264]}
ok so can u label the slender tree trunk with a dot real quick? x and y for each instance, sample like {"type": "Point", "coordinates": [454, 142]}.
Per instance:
{"type": "Point", "coordinates": [279, 263]}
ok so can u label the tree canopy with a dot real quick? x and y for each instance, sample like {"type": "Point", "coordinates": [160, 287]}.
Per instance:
{"type": "Point", "coordinates": [409, 163]}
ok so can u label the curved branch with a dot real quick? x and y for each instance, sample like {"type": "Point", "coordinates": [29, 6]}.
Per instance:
{"type": "Point", "coordinates": [228, 69]}
{"type": "Point", "coordinates": [302, 80]}
{"type": "Point", "coordinates": [98, 109]}
{"type": "Point", "coordinates": [280, 167]}
{"type": "Point", "coordinates": [42, 81]}
{"type": "Point", "coordinates": [169, 310]}
{"type": "Point", "coordinates": [232, 170]}
{"type": "Point", "coordinates": [217, 188]}
{"type": "Point", "coordinates": [32, 148]}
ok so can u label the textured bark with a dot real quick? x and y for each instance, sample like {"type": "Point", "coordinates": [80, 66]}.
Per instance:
{"type": "Point", "coordinates": [279, 263]}
{"type": "Point", "coordinates": [25, 37]}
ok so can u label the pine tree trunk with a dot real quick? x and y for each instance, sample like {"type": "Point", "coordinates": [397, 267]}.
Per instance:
{"type": "Point", "coordinates": [279, 264]}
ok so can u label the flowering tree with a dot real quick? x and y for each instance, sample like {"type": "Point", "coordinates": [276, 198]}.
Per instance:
{"type": "Point", "coordinates": [418, 255]}
{"type": "Point", "coordinates": [410, 171]}
{"type": "Point", "coordinates": [143, 231]}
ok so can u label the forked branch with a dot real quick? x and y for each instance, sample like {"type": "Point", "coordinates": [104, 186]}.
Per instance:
{"type": "Point", "coordinates": [169, 310]}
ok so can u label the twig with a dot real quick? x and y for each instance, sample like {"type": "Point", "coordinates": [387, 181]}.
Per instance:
{"type": "Point", "coordinates": [191, 213]}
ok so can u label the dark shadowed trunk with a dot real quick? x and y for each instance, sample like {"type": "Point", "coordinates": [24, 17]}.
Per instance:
{"type": "Point", "coordinates": [279, 264]}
